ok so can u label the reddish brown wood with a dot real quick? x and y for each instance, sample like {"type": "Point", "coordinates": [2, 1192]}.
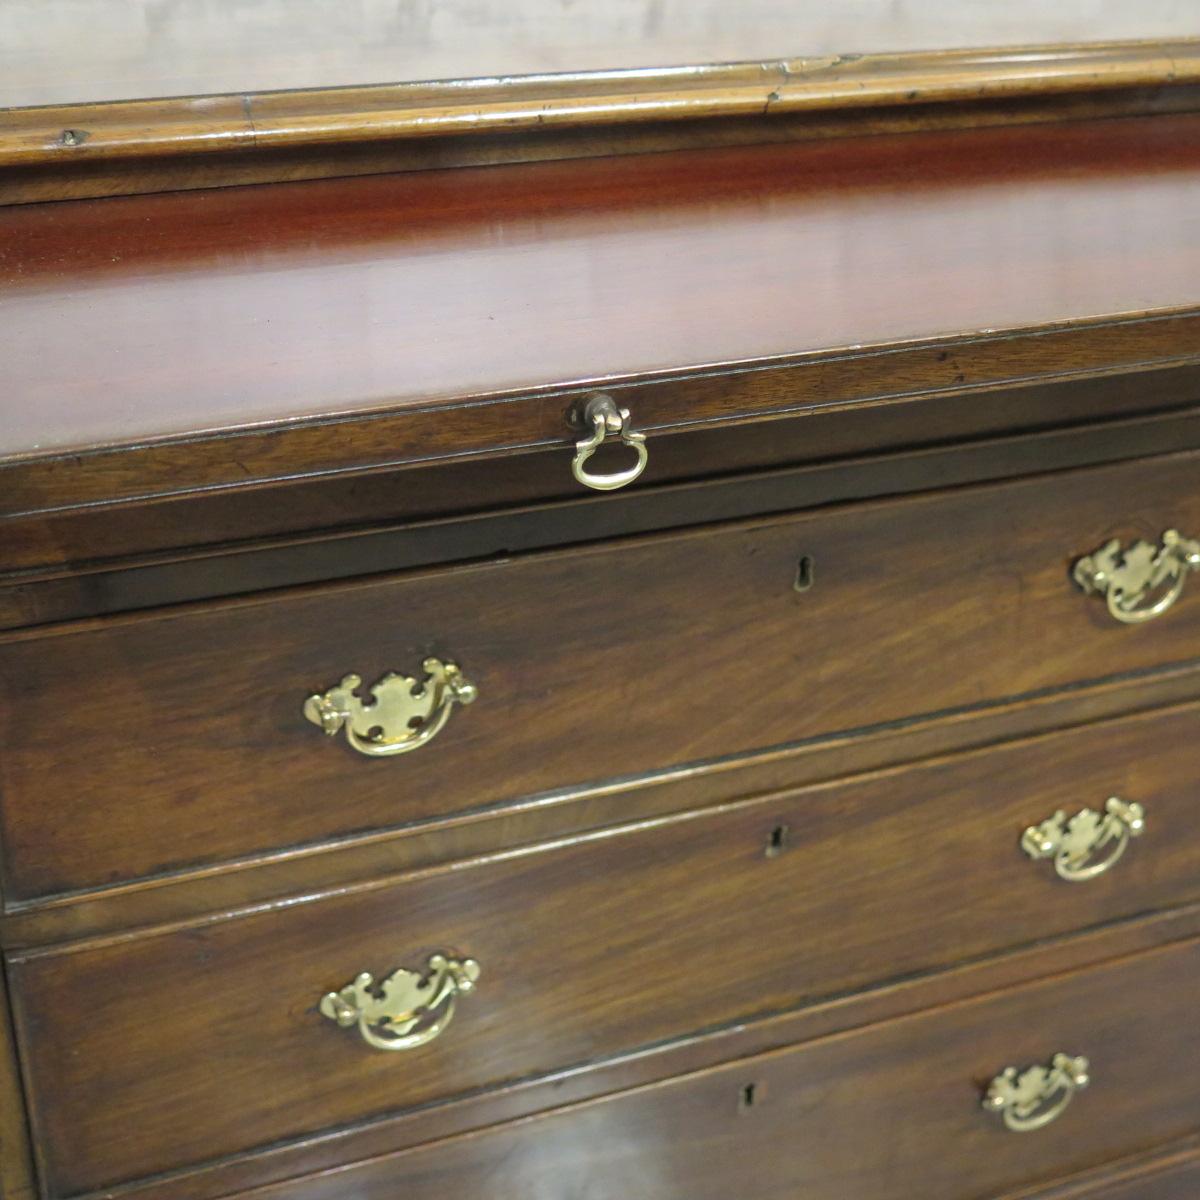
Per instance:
{"type": "Point", "coordinates": [678, 908]}
{"type": "Point", "coordinates": [278, 875]}
{"type": "Point", "coordinates": [197, 713]}
{"type": "Point", "coordinates": [493, 280]}
{"type": "Point", "coordinates": [1170, 1174]}
{"type": "Point", "coordinates": [687, 1055]}
{"type": "Point", "coordinates": [914, 1084]}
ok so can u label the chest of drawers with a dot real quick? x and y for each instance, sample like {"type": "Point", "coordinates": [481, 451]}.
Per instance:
{"type": "Point", "coordinates": [644, 675]}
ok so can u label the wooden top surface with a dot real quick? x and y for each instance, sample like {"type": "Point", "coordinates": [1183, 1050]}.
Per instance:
{"type": "Point", "coordinates": [129, 319]}
{"type": "Point", "coordinates": [78, 51]}
{"type": "Point", "coordinates": [92, 84]}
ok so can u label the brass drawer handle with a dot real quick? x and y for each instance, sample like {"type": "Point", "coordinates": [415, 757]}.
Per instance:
{"type": "Point", "coordinates": [1076, 845]}
{"type": "Point", "coordinates": [401, 714]}
{"type": "Point", "coordinates": [1130, 580]}
{"type": "Point", "coordinates": [1034, 1097]}
{"type": "Point", "coordinates": [405, 1010]}
{"type": "Point", "coordinates": [602, 417]}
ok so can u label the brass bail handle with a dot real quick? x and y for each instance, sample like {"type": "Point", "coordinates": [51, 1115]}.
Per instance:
{"type": "Point", "coordinates": [1089, 843]}
{"type": "Point", "coordinates": [603, 419]}
{"type": "Point", "coordinates": [397, 715]}
{"type": "Point", "coordinates": [1141, 582]}
{"type": "Point", "coordinates": [407, 1009]}
{"type": "Point", "coordinates": [1031, 1099]}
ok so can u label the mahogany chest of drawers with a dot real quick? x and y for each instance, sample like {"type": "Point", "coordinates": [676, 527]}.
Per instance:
{"type": "Point", "coordinates": [541, 669]}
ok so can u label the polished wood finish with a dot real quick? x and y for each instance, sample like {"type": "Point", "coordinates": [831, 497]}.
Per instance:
{"type": "Point", "coordinates": [274, 877]}
{"type": "Point", "coordinates": [910, 247]}
{"type": "Point", "coordinates": [98, 585]}
{"type": "Point", "coordinates": [224, 765]}
{"type": "Point", "coordinates": [915, 1084]}
{"type": "Point", "coordinates": [83, 134]}
{"type": "Point", "coordinates": [734, 825]}
{"type": "Point", "coordinates": [537, 66]}
{"type": "Point", "coordinates": [1173, 1174]}
{"type": "Point", "coordinates": [689, 891]}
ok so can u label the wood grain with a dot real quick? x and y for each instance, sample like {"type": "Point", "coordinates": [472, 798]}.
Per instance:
{"type": "Point", "coordinates": [678, 906]}
{"type": "Point", "coordinates": [271, 879]}
{"type": "Point", "coordinates": [915, 1083]}
{"type": "Point", "coordinates": [197, 713]}
{"type": "Point", "coordinates": [96, 585]}
{"type": "Point", "coordinates": [1170, 1173]}
{"type": "Point", "coordinates": [362, 1143]}
{"type": "Point", "coordinates": [203, 312]}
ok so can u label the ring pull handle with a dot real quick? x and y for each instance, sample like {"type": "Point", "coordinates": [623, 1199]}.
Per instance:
{"type": "Point", "coordinates": [603, 419]}
{"type": "Point", "coordinates": [398, 715]}
{"type": "Point", "coordinates": [407, 1009]}
{"type": "Point", "coordinates": [1032, 1098]}
{"type": "Point", "coordinates": [1088, 844]}
{"type": "Point", "coordinates": [1142, 582]}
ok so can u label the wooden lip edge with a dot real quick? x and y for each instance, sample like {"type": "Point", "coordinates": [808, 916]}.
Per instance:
{"type": "Point", "coordinates": [965, 733]}
{"type": "Point", "coordinates": [1098, 1182]}
{"type": "Point", "coordinates": [388, 1138]}
{"type": "Point", "coordinates": [537, 416]}
{"type": "Point", "coordinates": [255, 121]}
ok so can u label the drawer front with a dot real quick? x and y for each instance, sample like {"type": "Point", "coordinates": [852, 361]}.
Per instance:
{"type": "Point", "coordinates": [889, 1112]}
{"type": "Point", "coordinates": [207, 1041]}
{"type": "Point", "coordinates": [155, 743]}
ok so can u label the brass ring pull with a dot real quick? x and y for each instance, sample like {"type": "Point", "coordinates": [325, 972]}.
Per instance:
{"type": "Point", "coordinates": [602, 417]}
{"type": "Point", "coordinates": [407, 1009]}
{"type": "Point", "coordinates": [1034, 1097]}
{"type": "Point", "coordinates": [1077, 846]}
{"type": "Point", "coordinates": [401, 714]}
{"type": "Point", "coordinates": [1142, 582]}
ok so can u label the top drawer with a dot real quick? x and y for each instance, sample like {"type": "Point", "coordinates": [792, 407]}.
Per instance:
{"type": "Point", "coordinates": [169, 740]}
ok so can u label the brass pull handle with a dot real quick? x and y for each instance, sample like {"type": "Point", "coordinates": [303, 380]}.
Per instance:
{"type": "Point", "coordinates": [405, 1010]}
{"type": "Point", "coordinates": [1034, 1097]}
{"type": "Point", "coordinates": [1077, 845]}
{"type": "Point", "coordinates": [1142, 582]}
{"type": "Point", "coordinates": [401, 714]}
{"type": "Point", "coordinates": [602, 417]}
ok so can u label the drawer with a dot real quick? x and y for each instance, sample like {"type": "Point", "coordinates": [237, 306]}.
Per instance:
{"type": "Point", "coordinates": [888, 1112]}
{"type": "Point", "coordinates": [152, 744]}
{"type": "Point", "coordinates": [207, 1040]}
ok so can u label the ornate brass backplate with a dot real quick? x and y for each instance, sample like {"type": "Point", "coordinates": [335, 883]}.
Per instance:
{"type": "Point", "coordinates": [1143, 581]}
{"type": "Point", "coordinates": [1078, 845]}
{"type": "Point", "coordinates": [405, 1010]}
{"type": "Point", "coordinates": [1029, 1099]}
{"type": "Point", "coordinates": [398, 715]}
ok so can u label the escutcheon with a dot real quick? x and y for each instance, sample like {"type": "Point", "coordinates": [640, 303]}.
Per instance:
{"type": "Point", "coordinates": [1142, 582]}
{"type": "Point", "coordinates": [405, 1010]}
{"type": "Point", "coordinates": [1089, 843]}
{"type": "Point", "coordinates": [1032, 1098]}
{"type": "Point", "coordinates": [399, 714]}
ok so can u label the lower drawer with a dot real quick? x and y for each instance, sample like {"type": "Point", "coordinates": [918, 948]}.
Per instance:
{"type": "Point", "coordinates": [202, 1041]}
{"type": "Point", "coordinates": [889, 1112]}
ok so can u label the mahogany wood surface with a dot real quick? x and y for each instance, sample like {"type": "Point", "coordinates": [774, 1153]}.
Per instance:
{"type": "Point", "coordinates": [272, 879]}
{"type": "Point", "coordinates": [1172, 1173]}
{"type": "Point", "coordinates": [99, 586]}
{"type": "Point", "coordinates": [678, 907]}
{"type": "Point", "coordinates": [196, 712]}
{"type": "Point", "coordinates": [412, 293]}
{"type": "Point", "coordinates": [816, 1125]}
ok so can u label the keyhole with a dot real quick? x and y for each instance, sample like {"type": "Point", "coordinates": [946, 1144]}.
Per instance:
{"type": "Point", "coordinates": [749, 1095]}
{"type": "Point", "coordinates": [804, 574]}
{"type": "Point", "coordinates": [777, 842]}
